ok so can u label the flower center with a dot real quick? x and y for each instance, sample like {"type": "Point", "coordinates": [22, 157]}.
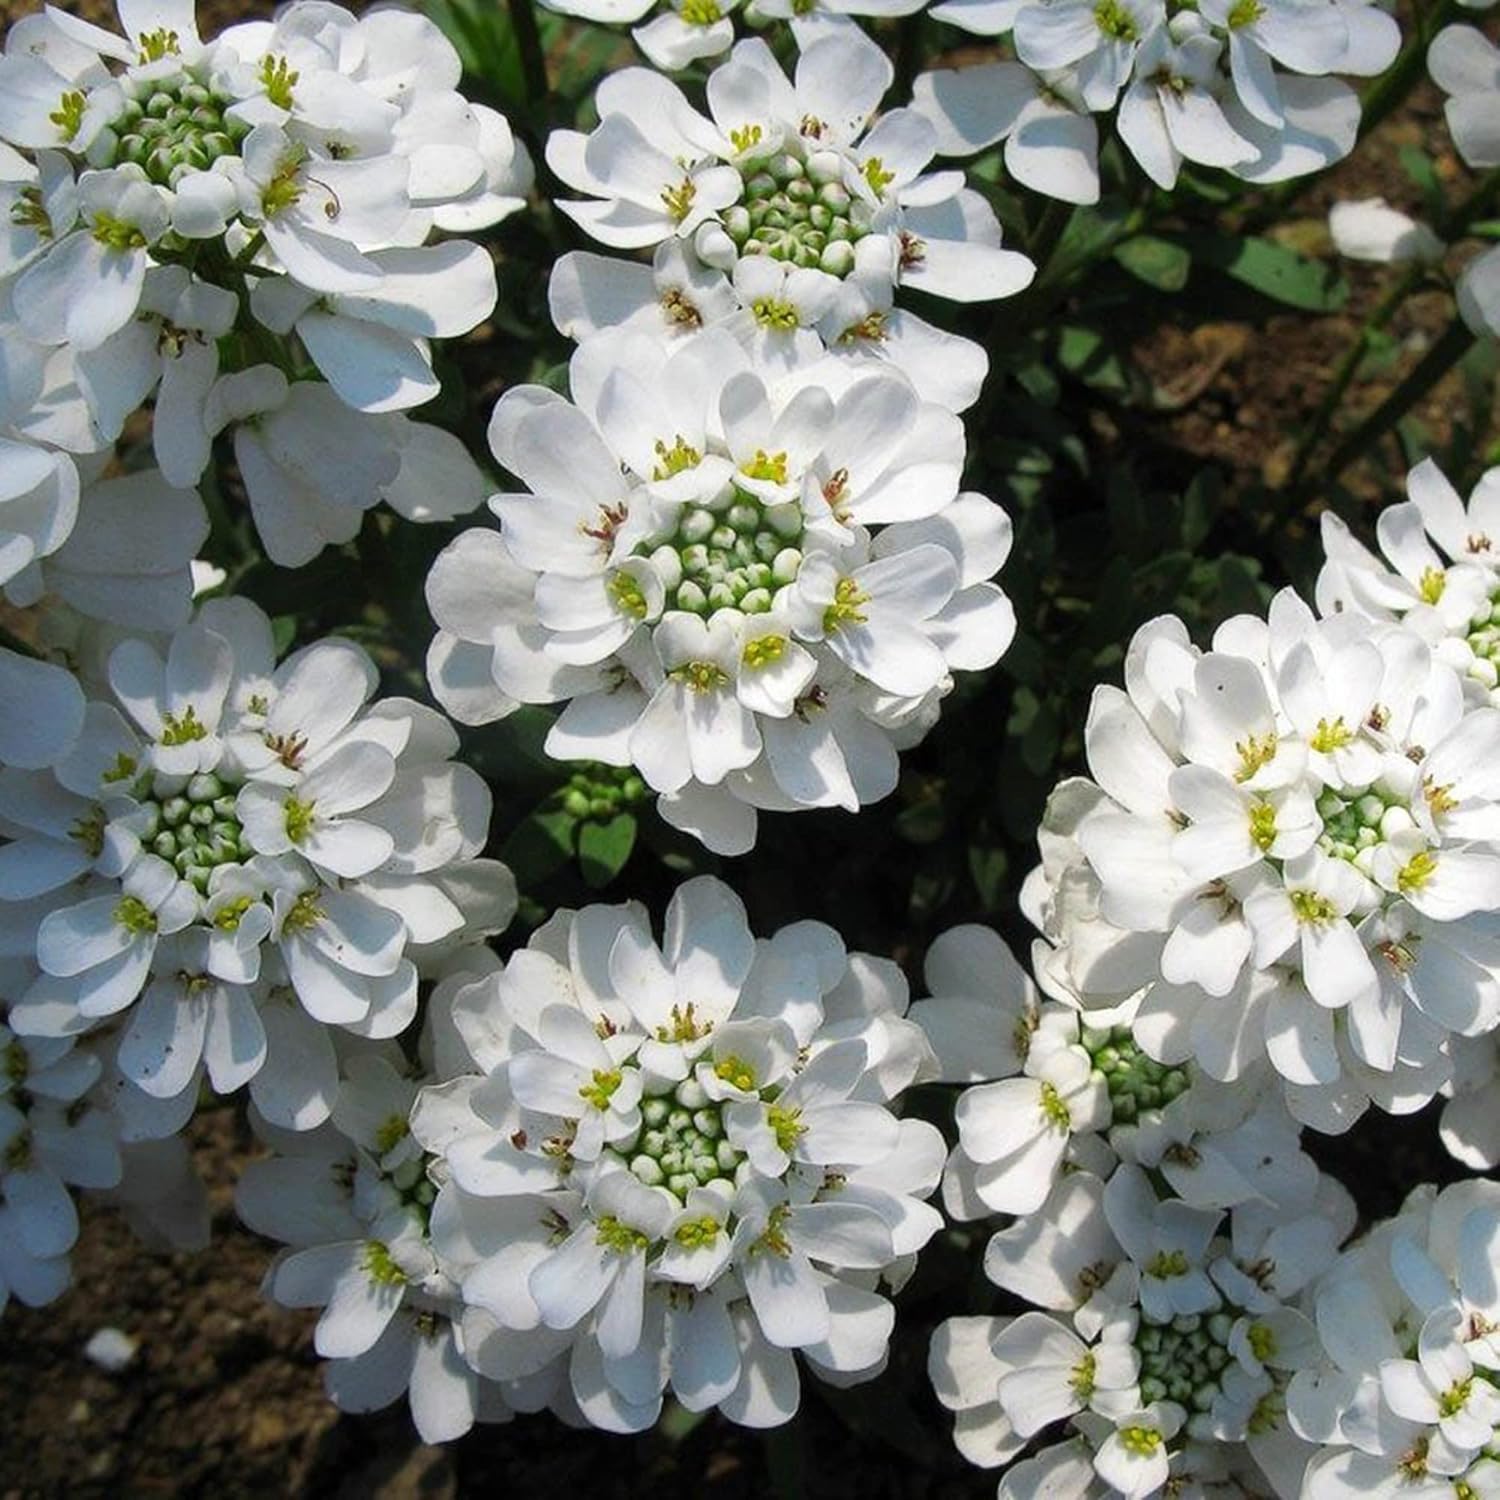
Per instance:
{"type": "Point", "coordinates": [172, 126]}
{"type": "Point", "coordinates": [1184, 1360]}
{"type": "Point", "coordinates": [682, 1145]}
{"type": "Point", "coordinates": [1135, 1082]}
{"type": "Point", "coordinates": [1116, 21]}
{"type": "Point", "coordinates": [798, 211]}
{"type": "Point", "coordinates": [738, 555]}
{"type": "Point", "coordinates": [195, 829]}
{"type": "Point", "coordinates": [379, 1265]}
{"type": "Point", "coordinates": [1484, 637]}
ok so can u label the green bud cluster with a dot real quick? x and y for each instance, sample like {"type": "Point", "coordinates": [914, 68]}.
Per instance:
{"type": "Point", "coordinates": [1135, 1082]}
{"type": "Point", "coordinates": [682, 1144]}
{"type": "Point", "coordinates": [1184, 1360]}
{"type": "Point", "coordinates": [413, 1186]}
{"type": "Point", "coordinates": [194, 828]}
{"type": "Point", "coordinates": [731, 552]}
{"type": "Point", "coordinates": [1354, 825]}
{"type": "Point", "coordinates": [170, 127]}
{"type": "Point", "coordinates": [1484, 639]}
{"type": "Point", "coordinates": [602, 792]}
{"type": "Point", "coordinates": [799, 212]}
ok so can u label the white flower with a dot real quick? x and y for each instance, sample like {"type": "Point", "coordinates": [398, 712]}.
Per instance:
{"type": "Point", "coordinates": [38, 504]}
{"type": "Point", "coordinates": [310, 157]}
{"type": "Point", "coordinates": [1465, 64]}
{"type": "Point", "coordinates": [686, 32]}
{"type": "Point", "coordinates": [1421, 1283]}
{"type": "Point", "coordinates": [1170, 113]}
{"type": "Point", "coordinates": [50, 1139]}
{"type": "Point", "coordinates": [1051, 140]}
{"type": "Point", "coordinates": [88, 285]}
{"type": "Point", "coordinates": [372, 346]}
{"type": "Point", "coordinates": [1369, 229]}
{"type": "Point", "coordinates": [1439, 1388]}
{"type": "Point", "coordinates": [1167, 1240]}
{"type": "Point", "coordinates": [1195, 86]}
{"type": "Point", "coordinates": [1133, 1459]}
{"type": "Point", "coordinates": [355, 1205]}
{"type": "Point", "coordinates": [1100, 43]}
{"type": "Point", "coordinates": [1017, 1131]}
{"type": "Point", "coordinates": [1053, 1373]}
{"type": "Point", "coordinates": [1306, 36]}
{"type": "Point", "coordinates": [784, 171]}
{"type": "Point", "coordinates": [678, 1163]}
{"type": "Point", "coordinates": [1479, 294]}
{"type": "Point", "coordinates": [741, 586]}
{"type": "Point", "coordinates": [254, 817]}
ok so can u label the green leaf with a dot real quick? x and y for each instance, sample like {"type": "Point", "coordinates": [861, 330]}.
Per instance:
{"type": "Point", "coordinates": [1159, 263]}
{"type": "Point", "coordinates": [1090, 232]}
{"type": "Point", "coordinates": [987, 869]}
{"type": "Point", "coordinates": [603, 848]}
{"type": "Point", "coordinates": [1272, 270]}
{"type": "Point", "coordinates": [1086, 353]}
{"type": "Point", "coordinates": [1201, 501]}
{"type": "Point", "coordinates": [1419, 166]}
{"type": "Point", "coordinates": [540, 846]}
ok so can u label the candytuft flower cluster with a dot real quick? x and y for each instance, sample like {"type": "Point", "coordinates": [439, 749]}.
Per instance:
{"type": "Point", "coordinates": [237, 225]}
{"type": "Point", "coordinates": [211, 863]}
{"type": "Point", "coordinates": [751, 587]}
{"type": "Point", "coordinates": [640, 1170]}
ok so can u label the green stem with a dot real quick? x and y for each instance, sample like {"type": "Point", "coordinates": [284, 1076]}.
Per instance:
{"type": "Point", "coordinates": [1456, 341]}
{"type": "Point", "coordinates": [1389, 91]}
{"type": "Point", "coordinates": [1483, 196]}
{"type": "Point", "coordinates": [533, 59]}
{"type": "Point", "coordinates": [251, 249]}
{"type": "Point", "coordinates": [1452, 226]}
{"type": "Point", "coordinates": [1050, 228]}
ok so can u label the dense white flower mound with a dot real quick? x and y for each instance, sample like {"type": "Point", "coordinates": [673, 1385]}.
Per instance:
{"type": "Point", "coordinates": [354, 1202]}
{"type": "Point", "coordinates": [1242, 85]}
{"type": "Point", "coordinates": [664, 1168]}
{"type": "Point", "coordinates": [752, 587]}
{"type": "Point", "coordinates": [1438, 573]}
{"type": "Point", "coordinates": [177, 209]}
{"type": "Point", "coordinates": [785, 205]}
{"type": "Point", "coordinates": [217, 858]}
{"type": "Point", "coordinates": [1167, 1226]}
{"type": "Point", "coordinates": [1405, 1399]}
{"type": "Point", "coordinates": [1288, 847]}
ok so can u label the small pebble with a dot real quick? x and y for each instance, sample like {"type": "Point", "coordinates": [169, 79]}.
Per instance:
{"type": "Point", "coordinates": [110, 1349]}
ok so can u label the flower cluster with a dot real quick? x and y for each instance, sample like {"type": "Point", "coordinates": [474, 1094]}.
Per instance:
{"type": "Point", "coordinates": [236, 228]}
{"type": "Point", "coordinates": [647, 1168]}
{"type": "Point", "coordinates": [210, 863]}
{"type": "Point", "coordinates": [1241, 85]}
{"type": "Point", "coordinates": [783, 214]}
{"type": "Point", "coordinates": [1287, 850]}
{"type": "Point", "coordinates": [1405, 1398]}
{"type": "Point", "coordinates": [753, 590]}
{"type": "Point", "coordinates": [1166, 1224]}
